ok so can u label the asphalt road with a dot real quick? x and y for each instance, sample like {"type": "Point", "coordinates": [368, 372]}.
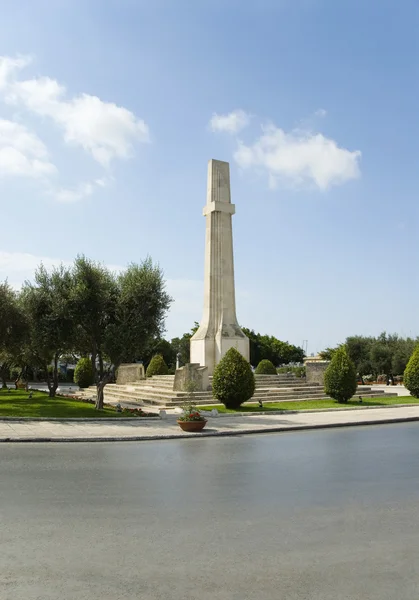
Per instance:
{"type": "Point", "coordinates": [314, 515]}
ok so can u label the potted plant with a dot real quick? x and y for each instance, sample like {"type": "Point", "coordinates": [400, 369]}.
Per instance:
{"type": "Point", "coordinates": [191, 419]}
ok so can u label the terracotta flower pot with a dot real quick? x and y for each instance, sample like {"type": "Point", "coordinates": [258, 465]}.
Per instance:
{"type": "Point", "coordinates": [192, 426]}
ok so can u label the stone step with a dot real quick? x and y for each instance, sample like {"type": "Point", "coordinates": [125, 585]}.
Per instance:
{"type": "Point", "coordinates": [259, 382]}
{"type": "Point", "coordinates": [205, 396]}
{"type": "Point", "coordinates": [154, 392]}
{"type": "Point", "coordinates": [156, 399]}
{"type": "Point", "coordinates": [163, 391]}
{"type": "Point", "coordinates": [284, 384]}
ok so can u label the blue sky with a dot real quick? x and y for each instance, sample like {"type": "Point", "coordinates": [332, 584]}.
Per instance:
{"type": "Point", "coordinates": [110, 110]}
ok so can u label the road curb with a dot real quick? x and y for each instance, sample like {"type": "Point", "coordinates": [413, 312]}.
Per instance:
{"type": "Point", "coordinates": [311, 410]}
{"type": "Point", "coordinates": [79, 419]}
{"type": "Point", "coordinates": [232, 433]}
{"type": "Point", "coordinates": [207, 414]}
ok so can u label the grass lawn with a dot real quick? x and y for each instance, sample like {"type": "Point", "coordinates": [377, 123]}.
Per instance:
{"type": "Point", "coordinates": [17, 403]}
{"type": "Point", "coordinates": [315, 404]}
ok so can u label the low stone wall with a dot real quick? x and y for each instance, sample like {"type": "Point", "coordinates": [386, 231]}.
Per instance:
{"type": "Point", "coordinates": [315, 371]}
{"type": "Point", "coordinates": [191, 376]}
{"type": "Point", "coordinates": [130, 373]}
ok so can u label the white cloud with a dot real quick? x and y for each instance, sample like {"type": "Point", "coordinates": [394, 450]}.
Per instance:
{"type": "Point", "coordinates": [67, 195]}
{"type": "Point", "coordinates": [103, 129]}
{"type": "Point", "coordinates": [231, 123]}
{"type": "Point", "coordinates": [321, 112]}
{"type": "Point", "coordinates": [299, 158]}
{"type": "Point", "coordinates": [9, 66]}
{"type": "Point", "coordinates": [22, 153]}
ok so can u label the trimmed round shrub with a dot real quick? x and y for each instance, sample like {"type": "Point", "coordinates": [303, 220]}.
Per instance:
{"type": "Point", "coordinates": [83, 373]}
{"type": "Point", "coordinates": [233, 381]}
{"type": "Point", "coordinates": [411, 374]}
{"type": "Point", "coordinates": [340, 381]}
{"type": "Point", "coordinates": [265, 367]}
{"type": "Point", "coordinates": [157, 366]}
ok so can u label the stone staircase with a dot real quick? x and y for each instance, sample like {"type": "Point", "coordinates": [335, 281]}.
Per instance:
{"type": "Point", "coordinates": [158, 390]}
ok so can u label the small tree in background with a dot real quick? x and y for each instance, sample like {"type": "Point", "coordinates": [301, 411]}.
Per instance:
{"type": "Point", "coordinates": [233, 382]}
{"type": "Point", "coordinates": [83, 373]}
{"type": "Point", "coordinates": [411, 374]}
{"type": "Point", "coordinates": [13, 331]}
{"type": "Point", "coordinates": [47, 304]}
{"type": "Point", "coordinates": [265, 367]}
{"type": "Point", "coordinates": [340, 381]}
{"type": "Point", "coordinates": [157, 366]}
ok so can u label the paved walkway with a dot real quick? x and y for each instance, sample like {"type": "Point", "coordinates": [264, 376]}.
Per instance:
{"type": "Point", "coordinates": [146, 429]}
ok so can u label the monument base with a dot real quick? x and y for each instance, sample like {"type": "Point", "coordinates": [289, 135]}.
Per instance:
{"type": "Point", "coordinates": [315, 370]}
{"type": "Point", "coordinates": [209, 351]}
{"type": "Point", "coordinates": [191, 378]}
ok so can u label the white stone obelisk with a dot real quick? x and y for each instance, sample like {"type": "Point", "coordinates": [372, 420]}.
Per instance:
{"type": "Point", "coordinates": [219, 330]}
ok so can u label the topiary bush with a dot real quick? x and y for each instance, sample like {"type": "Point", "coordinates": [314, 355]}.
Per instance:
{"type": "Point", "coordinates": [411, 374]}
{"type": "Point", "coordinates": [265, 367]}
{"type": "Point", "coordinates": [83, 373]}
{"type": "Point", "coordinates": [233, 381]}
{"type": "Point", "coordinates": [340, 381]}
{"type": "Point", "coordinates": [157, 366]}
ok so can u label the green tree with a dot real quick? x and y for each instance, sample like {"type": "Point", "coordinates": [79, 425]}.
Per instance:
{"type": "Point", "coordinates": [411, 374]}
{"type": "Point", "coordinates": [157, 366]}
{"type": "Point", "coordinates": [233, 381]}
{"type": "Point", "coordinates": [165, 349]}
{"type": "Point", "coordinates": [83, 373]}
{"type": "Point", "coordinates": [328, 353]}
{"type": "Point", "coordinates": [266, 347]}
{"type": "Point", "coordinates": [47, 306]}
{"type": "Point", "coordinates": [340, 377]}
{"type": "Point", "coordinates": [265, 367]}
{"type": "Point", "coordinates": [13, 331]}
{"type": "Point", "coordinates": [402, 354]}
{"type": "Point", "coordinates": [381, 359]}
{"type": "Point", "coordinates": [182, 345]}
{"type": "Point", "coordinates": [359, 351]}
{"type": "Point", "coordinates": [119, 317]}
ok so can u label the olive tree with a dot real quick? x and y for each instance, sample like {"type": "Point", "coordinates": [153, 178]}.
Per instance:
{"type": "Point", "coordinates": [118, 316]}
{"type": "Point", "coordinates": [13, 330]}
{"type": "Point", "coordinates": [47, 304]}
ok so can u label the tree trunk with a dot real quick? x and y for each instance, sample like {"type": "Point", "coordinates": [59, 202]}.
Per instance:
{"type": "Point", "coordinates": [100, 387]}
{"type": "Point", "coordinates": [18, 379]}
{"type": "Point", "coordinates": [93, 359]}
{"type": "Point", "coordinates": [100, 365]}
{"type": "Point", "coordinates": [4, 373]}
{"type": "Point", "coordinates": [54, 383]}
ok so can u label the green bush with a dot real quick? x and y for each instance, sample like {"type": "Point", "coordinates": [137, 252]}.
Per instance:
{"type": "Point", "coordinates": [157, 366]}
{"type": "Point", "coordinates": [411, 374]}
{"type": "Point", "coordinates": [265, 367]}
{"type": "Point", "coordinates": [298, 371]}
{"type": "Point", "coordinates": [340, 381]}
{"type": "Point", "coordinates": [233, 382]}
{"type": "Point", "coordinates": [83, 373]}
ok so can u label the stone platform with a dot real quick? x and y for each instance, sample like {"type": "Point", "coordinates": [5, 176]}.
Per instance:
{"type": "Point", "coordinates": [158, 390]}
